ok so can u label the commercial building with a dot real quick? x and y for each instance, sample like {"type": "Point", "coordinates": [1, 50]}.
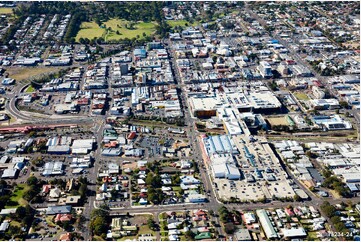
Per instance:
{"type": "Point", "coordinates": [257, 101]}
{"type": "Point", "coordinates": [266, 224]}
{"type": "Point", "coordinates": [53, 168]}
{"type": "Point", "coordinates": [294, 233]}
{"type": "Point", "coordinates": [196, 198]}
{"type": "Point", "coordinates": [224, 166]}
{"type": "Point", "coordinates": [83, 146]}
{"type": "Point", "coordinates": [220, 144]}
{"type": "Point", "coordinates": [333, 122]}
{"type": "Point", "coordinates": [230, 121]}
{"type": "Point", "coordinates": [10, 173]}
{"type": "Point", "coordinates": [52, 210]}
{"type": "Point", "coordinates": [324, 104]}
{"type": "Point", "coordinates": [204, 107]}
{"type": "Point", "coordinates": [265, 69]}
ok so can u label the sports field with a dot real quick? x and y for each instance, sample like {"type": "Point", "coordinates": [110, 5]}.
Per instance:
{"type": "Point", "coordinates": [278, 121]}
{"type": "Point", "coordinates": [301, 96]}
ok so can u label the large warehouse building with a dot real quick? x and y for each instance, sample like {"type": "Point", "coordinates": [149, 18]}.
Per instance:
{"type": "Point", "coordinates": [224, 166]}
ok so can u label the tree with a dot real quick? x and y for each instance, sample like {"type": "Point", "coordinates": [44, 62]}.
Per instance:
{"type": "Point", "coordinates": [32, 181]}
{"type": "Point", "coordinates": [229, 228]}
{"type": "Point", "coordinates": [99, 226]}
{"type": "Point", "coordinates": [66, 225]}
{"type": "Point", "coordinates": [297, 198]}
{"type": "Point", "coordinates": [176, 180]}
{"type": "Point", "coordinates": [20, 212]}
{"type": "Point", "coordinates": [83, 190]}
{"type": "Point", "coordinates": [328, 209]}
{"type": "Point", "coordinates": [99, 220]}
{"type": "Point", "coordinates": [155, 195]}
{"type": "Point", "coordinates": [31, 193]}
{"type": "Point", "coordinates": [32, 133]}
{"type": "Point", "coordinates": [149, 179]}
{"type": "Point", "coordinates": [13, 230]}
{"type": "Point", "coordinates": [189, 235]}
{"type": "Point", "coordinates": [311, 155]}
{"type": "Point", "coordinates": [4, 200]}
{"type": "Point", "coordinates": [343, 104]}
{"type": "Point", "coordinates": [326, 173]}
{"type": "Point", "coordinates": [151, 224]}
{"type": "Point", "coordinates": [335, 219]}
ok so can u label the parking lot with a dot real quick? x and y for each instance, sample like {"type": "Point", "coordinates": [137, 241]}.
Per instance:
{"type": "Point", "coordinates": [155, 144]}
{"type": "Point", "coordinates": [238, 189]}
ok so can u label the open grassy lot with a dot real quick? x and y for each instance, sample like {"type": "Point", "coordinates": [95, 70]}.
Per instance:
{"type": "Point", "coordinates": [6, 10]}
{"type": "Point", "coordinates": [24, 73]}
{"type": "Point", "coordinates": [182, 23]}
{"type": "Point", "coordinates": [30, 89]}
{"type": "Point", "coordinates": [125, 31]}
{"type": "Point", "coordinates": [144, 229]}
{"type": "Point", "coordinates": [17, 199]}
{"type": "Point", "coordinates": [90, 30]}
{"type": "Point", "coordinates": [301, 96]}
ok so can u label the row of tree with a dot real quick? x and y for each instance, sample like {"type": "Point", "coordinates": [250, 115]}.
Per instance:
{"type": "Point", "coordinates": [331, 212]}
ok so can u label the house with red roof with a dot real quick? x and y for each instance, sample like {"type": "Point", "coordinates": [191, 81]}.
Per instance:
{"type": "Point", "coordinates": [65, 237]}
{"type": "Point", "coordinates": [63, 218]}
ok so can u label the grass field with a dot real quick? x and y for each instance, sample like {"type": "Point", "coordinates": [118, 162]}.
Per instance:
{"type": "Point", "coordinates": [23, 73]}
{"type": "Point", "coordinates": [90, 30]}
{"type": "Point", "coordinates": [182, 23]}
{"type": "Point", "coordinates": [17, 199]}
{"type": "Point", "coordinates": [6, 10]}
{"type": "Point", "coordinates": [120, 25]}
{"type": "Point", "coordinates": [301, 96]}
